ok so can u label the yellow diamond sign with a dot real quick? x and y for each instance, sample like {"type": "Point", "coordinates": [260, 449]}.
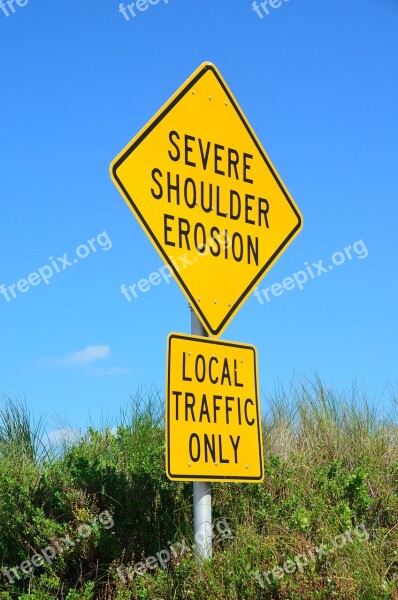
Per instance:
{"type": "Point", "coordinates": [213, 423]}
{"type": "Point", "coordinates": [208, 196]}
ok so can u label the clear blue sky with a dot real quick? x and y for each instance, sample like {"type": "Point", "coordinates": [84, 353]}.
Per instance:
{"type": "Point", "coordinates": [318, 82]}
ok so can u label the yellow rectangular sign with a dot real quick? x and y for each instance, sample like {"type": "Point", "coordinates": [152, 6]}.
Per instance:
{"type": "Point", "coordinates": [213, 421]}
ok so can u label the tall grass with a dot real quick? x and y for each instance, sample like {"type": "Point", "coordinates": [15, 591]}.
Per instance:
{"type": "Point", "coordinates": [331, 463]}
{"type": "Point", "coordinates": [19, 432]}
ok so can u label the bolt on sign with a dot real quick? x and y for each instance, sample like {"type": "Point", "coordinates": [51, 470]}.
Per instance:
{"type": "Point", "coordinates": [213, 422]}
{"type": "Point", "coordinates": [206, 193]}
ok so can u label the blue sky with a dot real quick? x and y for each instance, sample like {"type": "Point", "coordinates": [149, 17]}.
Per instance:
{"type": "Point", "coordinates": [318, 83]}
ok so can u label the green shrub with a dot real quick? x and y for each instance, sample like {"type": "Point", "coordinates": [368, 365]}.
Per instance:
{"type": "Point", "coordinates": [331, 464]}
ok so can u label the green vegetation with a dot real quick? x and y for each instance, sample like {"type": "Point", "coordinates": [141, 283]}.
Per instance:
{"type": "Point", "coordinates": [331, 465]}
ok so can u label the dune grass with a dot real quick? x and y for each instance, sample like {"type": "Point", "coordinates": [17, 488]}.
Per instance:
{"type": "Point", "coordinates": [331, 464]}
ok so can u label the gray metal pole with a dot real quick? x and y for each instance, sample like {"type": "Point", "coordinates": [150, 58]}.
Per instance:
{"type": "Point", "coordinates": [201, 490]}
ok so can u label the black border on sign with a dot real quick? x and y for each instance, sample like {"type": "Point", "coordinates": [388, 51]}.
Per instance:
{"type": "Point", "coordinates": [138, 141]}
{"type": "Point", "coordinates": [211, 478]}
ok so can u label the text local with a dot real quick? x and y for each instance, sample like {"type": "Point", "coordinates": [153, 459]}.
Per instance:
{"type": "Point", "coordinates": [209, 197]}
{"type": "Point", "coordinates": [212, 408]}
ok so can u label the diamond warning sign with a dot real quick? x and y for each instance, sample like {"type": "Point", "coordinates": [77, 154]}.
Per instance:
{"type": "Point", "coordinates": [208, 196]}
{"type": "Point", "coordinates": [213, 423]}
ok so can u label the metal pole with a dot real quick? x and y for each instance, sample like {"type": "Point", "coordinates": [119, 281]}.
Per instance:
{"type": "Point", "coordinates": [201, 490]}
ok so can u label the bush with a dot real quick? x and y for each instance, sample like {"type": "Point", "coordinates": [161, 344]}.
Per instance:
{"type": "Point", "coordinates": [331, 466]}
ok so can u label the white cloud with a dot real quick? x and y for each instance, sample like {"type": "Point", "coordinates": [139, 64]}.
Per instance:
{"type": "Point", "coordinates": [64, 434]}
{"type": "Point", "coordinates": [80, 358]}
{"type": "Point", "coordinates": [89, 354]}
{"type": "Point", "coordinates": [57, 438]}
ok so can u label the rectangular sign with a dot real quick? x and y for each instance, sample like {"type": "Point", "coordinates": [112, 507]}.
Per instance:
{"type": "Point", "coordinates": [213, 421]}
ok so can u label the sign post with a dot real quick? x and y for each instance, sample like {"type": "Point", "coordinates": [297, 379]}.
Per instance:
{"type": "Point", "coordinates": [202, 519]}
